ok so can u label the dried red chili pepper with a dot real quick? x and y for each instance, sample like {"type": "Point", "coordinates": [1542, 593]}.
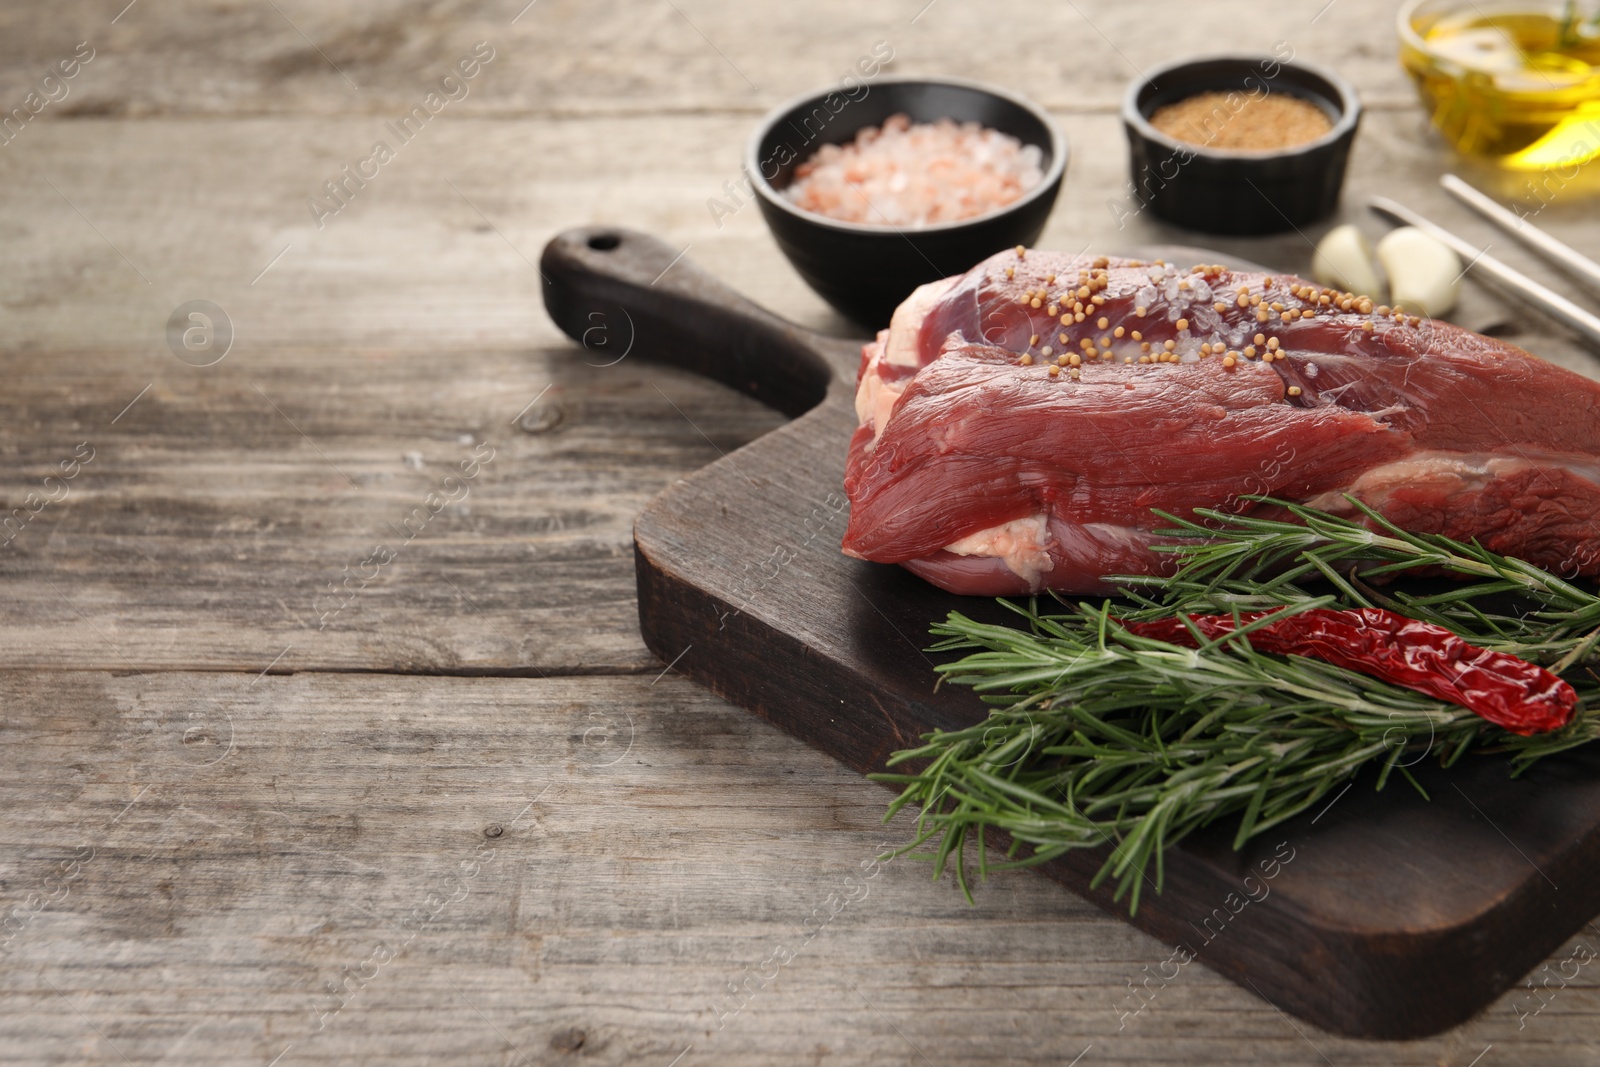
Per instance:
{"type": "Point", "coordinates": [1510, 692]}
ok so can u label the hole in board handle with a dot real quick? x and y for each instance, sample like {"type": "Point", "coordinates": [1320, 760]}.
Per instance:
{"type": "Point", "coordinates": [604, 242]}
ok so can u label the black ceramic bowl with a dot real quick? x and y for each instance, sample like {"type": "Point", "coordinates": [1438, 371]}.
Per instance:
{"type": "Point", "coordinates": [865, 271]}
{"type": "Point", "coordinates": [1235, 192]}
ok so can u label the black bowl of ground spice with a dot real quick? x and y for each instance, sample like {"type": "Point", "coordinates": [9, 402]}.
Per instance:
{"type": "Point", "coordinates": [1239, 145]}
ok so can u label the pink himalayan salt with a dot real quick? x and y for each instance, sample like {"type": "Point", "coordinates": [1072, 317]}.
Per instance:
{"type": "Point", "coordinates": [914, 175]}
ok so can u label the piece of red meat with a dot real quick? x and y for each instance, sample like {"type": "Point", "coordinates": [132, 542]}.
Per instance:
{"type": "Point", "coordinates": [983, 471]}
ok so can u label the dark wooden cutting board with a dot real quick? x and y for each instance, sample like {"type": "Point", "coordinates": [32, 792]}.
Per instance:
{"type": "Point", "coordinates": [1393, 916]}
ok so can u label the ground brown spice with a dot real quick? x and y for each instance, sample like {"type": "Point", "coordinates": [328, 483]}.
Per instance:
{"type": "Point", "coordinates": [1237, 121]}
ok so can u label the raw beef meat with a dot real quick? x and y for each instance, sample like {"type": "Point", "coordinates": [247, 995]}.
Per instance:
{"type": "Point", "coordinates": [1018, 423]}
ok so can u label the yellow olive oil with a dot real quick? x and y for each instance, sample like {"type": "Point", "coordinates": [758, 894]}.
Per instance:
{"type": "Point", "coordinates": [1518, 83]}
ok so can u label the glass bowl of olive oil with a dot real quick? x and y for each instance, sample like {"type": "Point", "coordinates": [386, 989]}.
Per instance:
{"type": "Point", "coordinates": [1513, 81]}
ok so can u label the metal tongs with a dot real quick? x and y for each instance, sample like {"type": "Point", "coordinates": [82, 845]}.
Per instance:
{"type": "Point", "coordinates": [1514, 281]}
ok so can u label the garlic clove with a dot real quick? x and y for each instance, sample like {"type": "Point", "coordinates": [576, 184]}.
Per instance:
{"type": "Point", "coordinates": [1344, 261]}
{"type": "Point", "coordinates": [1424, 275]}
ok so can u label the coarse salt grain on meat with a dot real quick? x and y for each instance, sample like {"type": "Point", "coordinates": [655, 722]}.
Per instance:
{"type": "Point", "coordinates": [912, 175]}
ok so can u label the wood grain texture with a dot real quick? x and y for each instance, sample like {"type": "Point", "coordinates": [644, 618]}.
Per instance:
{"type": "Point", "coordinates": [203, 206]}
{"type": "Point", "coordinates": [190, 146]}
{"type": "Point", "coordinates": [674, 844]}
{"type": "Point", "coordinates": [235, 512]}
{"type": "Point", "coordinates": [591, 57]}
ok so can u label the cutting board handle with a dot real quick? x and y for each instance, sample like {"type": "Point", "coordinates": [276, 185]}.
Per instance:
{"type": "Point", "coordinates": [622, 294]}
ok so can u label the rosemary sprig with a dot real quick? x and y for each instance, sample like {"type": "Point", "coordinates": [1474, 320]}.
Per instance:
{"type": "Point", "coordinates": [1497, 601]}
{"type": "Point", "coordinates": [1103, 738]}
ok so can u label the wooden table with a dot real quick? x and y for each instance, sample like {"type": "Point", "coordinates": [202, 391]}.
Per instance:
{"type": "Point", "coordinates": [272, 795]}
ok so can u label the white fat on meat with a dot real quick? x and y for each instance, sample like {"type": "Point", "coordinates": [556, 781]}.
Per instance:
{"type": "Point", "coordinates": [1463, 472]}
{"type": "Point", "coordinates": [1021, 543]}
{"type": "Point", "coordinates": [896, 346]}
{"type": "Point", "coordinates": [875, 397]}
{"type": "Point", "coordinates": [905, 327]}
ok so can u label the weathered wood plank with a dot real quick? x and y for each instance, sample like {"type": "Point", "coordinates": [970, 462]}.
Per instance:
{"type": "Point", "coordinates": [438, 250]}
{"type": "Point", "coordinates": [673, 844]}
{"type": "Point", "coordinates": [594, 58]}
{"type": "Point", "coordinates": [634, 900]}
{"type": "Point", "coordinates": [376, 509]}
